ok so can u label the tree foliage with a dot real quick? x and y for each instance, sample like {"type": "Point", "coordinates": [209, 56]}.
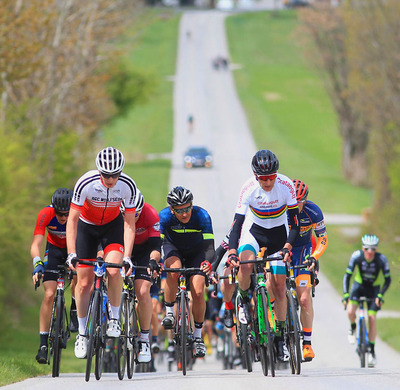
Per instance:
{"type": "Point", "coordinates": [54, 69]}
{"type": "Point", "coordinates": [358, 48]}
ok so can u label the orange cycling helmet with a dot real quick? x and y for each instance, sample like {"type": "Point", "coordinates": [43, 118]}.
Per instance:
{"type": "Point", "coordinates": [301, 189]}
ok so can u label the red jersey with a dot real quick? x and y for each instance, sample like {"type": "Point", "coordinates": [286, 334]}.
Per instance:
{"type": "Point", "coordinates": [55, 230]}
{"type": "Point", "coordinates": [148, 225]}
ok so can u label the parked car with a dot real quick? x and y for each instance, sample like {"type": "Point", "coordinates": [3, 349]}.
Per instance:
{"type": "Point", "coordinates": [297, 3]}
{"type": "Point", "coordinates": [198, 156]}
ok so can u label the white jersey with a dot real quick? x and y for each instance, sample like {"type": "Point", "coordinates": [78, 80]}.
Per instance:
{"type": "Point", "coordinates": [100, 205]}
{"type": "Point", "coordinates": [267, 208]}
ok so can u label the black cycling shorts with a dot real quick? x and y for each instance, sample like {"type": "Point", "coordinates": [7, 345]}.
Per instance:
{"type": "Point", "coordinates": [89, 237]}
{"type": "Point", "coordinates": [141, 256]}
{"type": "Point", "coordinates": [359, 290]}
{"type": "Point", "coordinates": [188, 259]}
{"type": "Point", "coordinates": [53, 257]}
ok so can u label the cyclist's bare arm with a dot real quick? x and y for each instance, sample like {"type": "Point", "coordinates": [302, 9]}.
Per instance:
{"type": "Point", "coordinates": [36, 245]}
{"type": "Point", "coordinates": [71, 231]}
{"type": "Point", "coordinates": [129, 233]}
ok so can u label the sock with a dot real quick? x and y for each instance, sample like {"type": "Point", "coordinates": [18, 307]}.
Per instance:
{"type": "Point", "coordinates": [169, 307]}
{"type": "Point", "coordinates": [154, 339]}
{"type": "Point", "coordinates": [371, 345]}
{"type": "Point", "coordinates": [353, 326]}
{"type": "Point", "coordinates": [73, 304]}
{"type": "Point", "coordinates": [244, 294]}
{"type": "Point", "coordinates": [114, 312]}
{"type": "Point", "coordinates": [44, 338]}
{"type": "Point", "coordinates": [198, 326]}
{"type": "Point", "coordinates": [144, 335]}
{"type": "Point", "coordinates": [229, 305]}
{"type": "Point", "coordinates": [273, 302]}
{"type": "Point", "coordinates": [307, 335]}
{"type": "Point", "coordinates": [280, 327]}
{"type": "Point", "coordinates": [82, 326]}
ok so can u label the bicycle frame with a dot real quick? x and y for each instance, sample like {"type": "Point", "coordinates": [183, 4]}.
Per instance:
{"type": "Point", "coordinates": [362, 332]}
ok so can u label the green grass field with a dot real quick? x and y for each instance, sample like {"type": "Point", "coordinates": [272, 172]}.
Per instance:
{"type": "Point", "coordinates": [289, 112]}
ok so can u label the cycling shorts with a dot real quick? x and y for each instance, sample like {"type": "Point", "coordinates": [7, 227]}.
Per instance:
{"type": "Point", "coordinates": [273, 239]}
{"type": "Point", "coordinates": [188, 259]}
{"type": "Point", "coordinates": [53, 257]}
{"type": "Point", "coordinates": [110, 236]}
{"type": "Point", "coordinates": [141, 257]}
{"type": "Point", "coordinates": [303, 278]}
{"type": "Point", "coordinates": [360, 290]}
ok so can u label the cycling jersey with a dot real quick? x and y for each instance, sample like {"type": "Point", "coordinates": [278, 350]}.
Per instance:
{"type": "Point", "coordinates": [148, 225]}
{"type": "Point", "coordinates": [55, 230]}
{"type": "Point", "coordinates": [367, 272]}
{"type": "Point", "coordinates": [193, 236]}
{"type": "Point", "coordinates": [265, 209]}
{"type": "Point", "coordinates": [99, 205]}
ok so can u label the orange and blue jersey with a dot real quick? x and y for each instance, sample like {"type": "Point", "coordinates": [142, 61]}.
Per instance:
{"type": "Point", "coordinates": [55, 230]}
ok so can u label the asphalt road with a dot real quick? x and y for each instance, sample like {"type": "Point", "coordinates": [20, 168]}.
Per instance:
{"type": "Point", "coordinates": [220, 124]}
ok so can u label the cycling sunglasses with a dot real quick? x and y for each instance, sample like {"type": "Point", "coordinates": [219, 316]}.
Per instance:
{"type": "Point", "coordinates": [62, 214]}
{"type": "Point", "coordinates": [113, 176]}
{"type": "Point", "coordinates": [181, 211]}
{"type": "Point", "coordinates": [272, 176]}
{"type": "Point", "coordinates": [369, 248]}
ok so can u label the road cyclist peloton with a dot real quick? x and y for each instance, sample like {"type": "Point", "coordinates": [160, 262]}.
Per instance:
{"type": "Point", "coordinates": [366, 265]}
{"type": "Point", "coordinates": [146, 252]}
{"type": "Point", "coordinates": [95, 219]}
{"type": "Point", "coordinates": [187, 241]}
{"type": "Point", "coordinates": [53, 218]}
{"type": "Point", "coordinates": [267, 201]}
{"type": "Point", "coordinates": [311, 220]}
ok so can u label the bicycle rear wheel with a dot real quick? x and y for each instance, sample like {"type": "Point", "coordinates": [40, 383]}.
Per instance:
{"type": "Point", "coordinates": [93, 321]}
{"type": "Point", "coordinates": [58, 335]}
{"type": "Point", "coordinates": [293, 332]}
{"type": "Point", "coordinates": [133, 332]}
{"type": "Point", "coordinates": [122, 347]}
{"type": "Point", "coordinates": [362, 348]}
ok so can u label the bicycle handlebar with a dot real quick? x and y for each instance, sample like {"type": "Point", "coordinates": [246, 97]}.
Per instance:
{"type": "Point", "coordinates": [263, 260]}
{"type": "Point", "coordinates": [101, 262]}
{"type": "Point", "coordinates": [37, 284]}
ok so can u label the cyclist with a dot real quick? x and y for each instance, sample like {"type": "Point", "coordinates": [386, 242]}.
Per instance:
{"type": "Point", "coordinates": [54, 218]}
{"type": "Point", "coordinates": [95, 218]}
{"type": "Point", "coordinates": [311, 219]}
{"type": "Point", "coordinates": [369, 264]}
{"type": "Point", "coordinates": [261, 221]}
{"type": "Point", "coordinates": [188, 241]}
{"type": "Point", "coordinates": [146, 252]}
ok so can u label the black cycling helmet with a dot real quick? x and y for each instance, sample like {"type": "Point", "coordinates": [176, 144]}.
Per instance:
{"type": "Point", "coordinates": [264, 162]}
{"type": "Point", "coordinates": [179, 196]}
{"type": "Point", "coordinates": [301, 189]}
{"type": "Point", "coordinates": [61, 199]}
{"type": "Point", "coordinates": [110, 161]}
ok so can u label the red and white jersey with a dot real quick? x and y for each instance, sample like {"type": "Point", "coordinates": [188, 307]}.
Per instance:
{"type": "Point", "coordinates": [148, 224]}
{"type": "Point", "coordinates": [267, 208]}
{"type": "Point", "coordinates": [100, 205]}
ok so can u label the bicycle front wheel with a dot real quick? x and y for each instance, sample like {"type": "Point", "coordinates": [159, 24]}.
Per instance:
{"type": "Point", "coordinates": [245, 347]}
{"type": "Point", "coordinates": [93, 321]}
{"type": "Point", "coordinates": [293, 332]}
{"type": "Point", "coordinates": [58, 335]}
{"type": "Point", "coordinates": [266, 347]}
{"type": "Point", "coordinates": [122, 349]}
{"type": "Point", "coordinates": [362, 347]}
{"type": "Point", "coordinates": [133, 332]}
{"type": "Point", "coordinates": [100, 344]}
{"type": "Point", "coordinates": [183, 332]}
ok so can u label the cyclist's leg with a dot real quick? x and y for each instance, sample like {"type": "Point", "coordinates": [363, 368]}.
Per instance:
{"type": "Point", "coordinates": [248, 248]}
{"type": "Point", "coordinates": [197, 287]}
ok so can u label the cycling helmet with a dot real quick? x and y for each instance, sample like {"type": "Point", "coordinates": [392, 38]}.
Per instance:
{"type": "Point", "coordinates": [110, 161]}
{"type": "Point", "coordinates": [61, 199]}
{"type": "Point", "coordinates": [301, 189]}
{"type": "Point", "coordinates": [264, 162]}
{"type": "Point", "coordinates": [139, 203]}
{"type": "Point", "coordinates": [179, 196]}
{"type": "Point", "coordinates": [370, 240]}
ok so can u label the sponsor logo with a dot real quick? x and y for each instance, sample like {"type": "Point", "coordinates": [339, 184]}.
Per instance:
{"type": "Point", "coordinates": [303, 283]}
{"type": "Point", "coordinates": [156, 226]}
{"type": "Point", "coordinates": [140, 230]}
